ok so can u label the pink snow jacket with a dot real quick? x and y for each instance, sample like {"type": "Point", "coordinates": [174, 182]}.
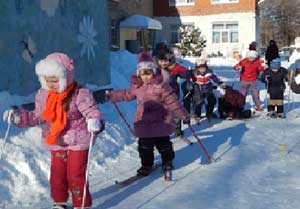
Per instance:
{"type": "Point", "coordinates": [155, 104]}
{"type": "Point", "coordinates": [75, 136]}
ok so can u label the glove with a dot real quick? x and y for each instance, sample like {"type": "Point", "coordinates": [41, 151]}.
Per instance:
{"type": "Point", "coordinates": [108, 94]}
{"type": "Point", "coordinates": [223, 85]}
{"type": "Point", "coordinates": [11, 116]}
{"type": "Point", "coordinates": [239, 69]}
{"type": "Point", "coordinates": [267, 78]}
{"type": "Point", "coordinates": [94, 125]}
{"type": "Point", "coordinates": [187, 121]}
{"type": "Point", "coordinates": [189, 86]}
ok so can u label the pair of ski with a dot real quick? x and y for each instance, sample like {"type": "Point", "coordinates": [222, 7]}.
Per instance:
{"type": "Point", "coordinates": [132, 179]}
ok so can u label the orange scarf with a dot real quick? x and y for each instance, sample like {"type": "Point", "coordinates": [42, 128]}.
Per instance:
{"type": "Point", "coordinates": [55, 113]}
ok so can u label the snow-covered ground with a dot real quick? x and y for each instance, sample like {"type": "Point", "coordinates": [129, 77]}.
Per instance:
{"type": "Point", "coordinates": [257, 160]}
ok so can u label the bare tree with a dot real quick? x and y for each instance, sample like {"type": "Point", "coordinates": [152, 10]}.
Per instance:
{"type": "Point", "coordinates": [279, 21]}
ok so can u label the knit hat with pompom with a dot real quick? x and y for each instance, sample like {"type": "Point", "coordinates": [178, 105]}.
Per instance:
{"type": "Point", "coordinates": [145, 61]}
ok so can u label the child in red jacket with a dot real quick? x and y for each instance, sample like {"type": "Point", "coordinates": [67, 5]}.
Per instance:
{"type": "Point", "coordinates": [249, 69]}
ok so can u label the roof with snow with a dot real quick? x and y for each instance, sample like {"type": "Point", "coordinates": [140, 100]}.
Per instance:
{"type": "Point", "coordinates": [140, 22]}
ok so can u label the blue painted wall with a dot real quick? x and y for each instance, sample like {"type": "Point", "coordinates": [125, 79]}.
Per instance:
{"type": "Point", "coordinates": [30, 30]}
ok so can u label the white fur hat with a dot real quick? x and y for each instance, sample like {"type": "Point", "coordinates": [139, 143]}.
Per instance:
{"type": "Point", "coordinates": [58, 65]}
{"type": "Point", "coordinates": [252, 54]}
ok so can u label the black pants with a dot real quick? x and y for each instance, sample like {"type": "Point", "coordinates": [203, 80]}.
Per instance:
{"type": "Point", "coordinates": [211, 101]}
{"type": "Point", "coordinates": [276, 100]}
{"type": "Point", "coordinates": [279, 108]}
{"type": "Point", "coordinates": [162, 144]}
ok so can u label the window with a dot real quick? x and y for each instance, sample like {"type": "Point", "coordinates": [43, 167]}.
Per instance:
{"type": "Point", "coordinates": [224, 1]}
{"type": "Point", "coordinates": [174, 34]}
{"type": "Point", "coordinates": [225, 33]}
{"type": "Point", "coordinates": [181, 2]}
{"type": "Point", "coordinates": [114, 34]}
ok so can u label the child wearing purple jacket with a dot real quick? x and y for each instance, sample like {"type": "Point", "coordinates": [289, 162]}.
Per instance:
{"type": "Point", "coordinates": [156, 102]}
{"type": "Point", "coordinates": [69, 115]}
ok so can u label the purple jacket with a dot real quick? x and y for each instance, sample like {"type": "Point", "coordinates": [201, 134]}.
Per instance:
{"type": "Point", "coordinates": [155, 104]}
{"type": "Point", "coordinates": [75, 136]}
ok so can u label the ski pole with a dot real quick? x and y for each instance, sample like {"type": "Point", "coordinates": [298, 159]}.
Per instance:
{"type": "Point", "coordinates": [209, 158]}
{"type": "Point", "coordinates": [289, 94]}
{"type": "Point", "coordinates": [87, 170]}
{"type": "Point", "coordinates": [266, 96]}
{"type": "Point", "coordinates": [123, 117]}
{"type": "Point", "coordinates": [10, 113]}
{"type": "Point", "coordinates": [186, 95]}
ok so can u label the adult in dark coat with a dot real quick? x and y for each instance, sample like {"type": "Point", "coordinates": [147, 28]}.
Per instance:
{"type": "Point", "coordinates": [272, 52]}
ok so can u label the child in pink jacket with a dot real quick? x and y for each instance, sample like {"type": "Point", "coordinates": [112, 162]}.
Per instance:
{"type": "Point", "coordinates": [153, 117]}
{"type": "Point", "coordinates": [69, 114]}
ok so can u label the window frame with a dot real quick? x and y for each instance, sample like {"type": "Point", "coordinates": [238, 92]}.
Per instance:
{"type": "Point", "coordinates": [174, 32]}
{"type": "Point", "coordinates": [114, 33]}
{"type": "Point", "coordinates": [225, 35]}
{"type": "Point", "coordinates": [224, 1]}
{"type": "Point", "coordinates": [171, 4]}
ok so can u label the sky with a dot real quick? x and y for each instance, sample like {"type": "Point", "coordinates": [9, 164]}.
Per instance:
{"type": "Point", "coordinates": [257, 161]}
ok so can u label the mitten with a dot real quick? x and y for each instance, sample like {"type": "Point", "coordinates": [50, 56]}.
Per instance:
{"type": "Point", "coordinates": [189, 85]}
{"type": "Point", "coordinates": [267, 78]}
{"type": "Point", "coordinates": [108, 94]}
{"type": "Point", "coordinates": [94, 125]}
{"type": "Point", "coordinates": [223, 85]}
{"type": "Point", "coordinates": [11, 116]}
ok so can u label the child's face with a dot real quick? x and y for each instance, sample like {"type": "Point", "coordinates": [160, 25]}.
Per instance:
{"type": "Point", "coordinates": [201, 69]}
{"type": "Point", "coordinates": [274, 70]}
{"type": "Point", "coordinates": [164, 64]}
{"type": "Point", "coordinates": [146, 75]}
{"type": "Point", "coordinates": [52, 82]}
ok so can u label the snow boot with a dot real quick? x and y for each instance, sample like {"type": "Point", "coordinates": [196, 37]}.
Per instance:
{"type": "Point", "coordinates": [167, 166]}
{"type": "Point", "coordinates": [281, 115]}
{"type": "Point", "coordinates": [144, 170]}
{"type": "Point", "coordinates": [60, 206]}
{"type": "Point", "coordinates": [271, 114]}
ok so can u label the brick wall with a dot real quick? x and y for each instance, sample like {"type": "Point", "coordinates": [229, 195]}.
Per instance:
{"type": "Point", "coordinates": [202, 7]}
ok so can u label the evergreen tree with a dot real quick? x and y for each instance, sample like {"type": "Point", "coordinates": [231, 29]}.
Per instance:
{"type": "Point", "coordinates": [191, 42]}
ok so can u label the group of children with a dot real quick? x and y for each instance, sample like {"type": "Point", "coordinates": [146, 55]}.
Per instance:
{"type": "Point", "coordinates": [71, 117]}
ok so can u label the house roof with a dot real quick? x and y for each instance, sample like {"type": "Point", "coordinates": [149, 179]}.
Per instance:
{"type": "Point", "coordinates": [140, 22]}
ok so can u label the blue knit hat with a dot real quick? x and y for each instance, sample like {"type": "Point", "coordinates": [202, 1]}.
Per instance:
{"type": "Point", "coordinates": [275, 64]}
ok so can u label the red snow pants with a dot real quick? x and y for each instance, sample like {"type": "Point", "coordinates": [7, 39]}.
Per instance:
{"type": "Point", "coordinates": [68, 169]}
